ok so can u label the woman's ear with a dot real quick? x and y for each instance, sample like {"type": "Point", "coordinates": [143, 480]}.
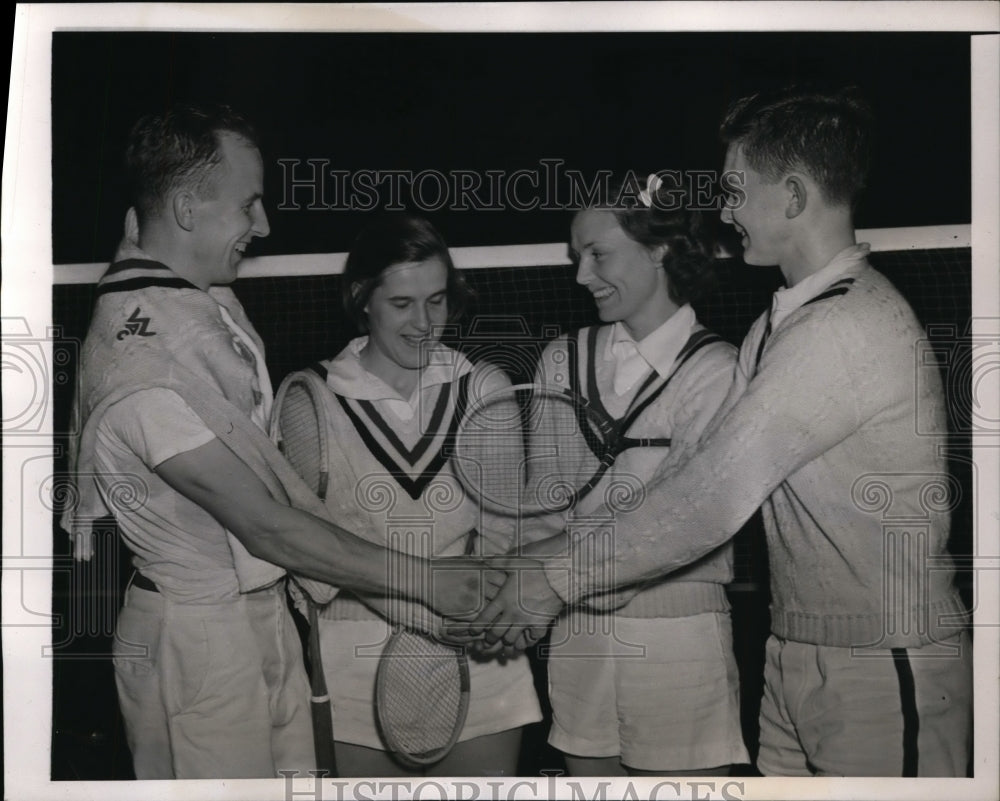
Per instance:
{"type": "Point", "coordinates": [658, 254]}
{"type": "Point", "coordinates": [356, 294]}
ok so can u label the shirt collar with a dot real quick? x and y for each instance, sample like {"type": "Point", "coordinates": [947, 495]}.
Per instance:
{"type": "Point", "coordinates": [659, 349]}
{"type": "Point", "coordinates": [347, 376]}
{"type": "Point", "coordinates": [788, 299]}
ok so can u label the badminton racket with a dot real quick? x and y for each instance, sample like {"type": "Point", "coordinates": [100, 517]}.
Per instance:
{"type": "Point", "coordinates": [300, 430]}
{"type": "Point", "coordinates": [422, 693]}
{"type": "Point", "coordinates": [571, 446]}
{"type": "Point", "coordinates": [571, 442]}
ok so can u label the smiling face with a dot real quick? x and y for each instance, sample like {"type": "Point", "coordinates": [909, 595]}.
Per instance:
{"type": "Point", "coordinates": [404, 315]}
{"type": "Point", "coordinates": [625, 278]}
{"type": "Point", "coordinates": [231, 213]}
{"type": "Point", "coordinates": [761, 216]}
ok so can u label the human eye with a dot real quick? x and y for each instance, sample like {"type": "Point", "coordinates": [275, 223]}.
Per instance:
{"type": "Point", "coordinates": [400, 303]}
{"type": "Point", "coordinates": [436, 300]}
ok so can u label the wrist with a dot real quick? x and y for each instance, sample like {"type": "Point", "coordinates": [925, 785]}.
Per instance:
{"type": "Point", "coordinates": [558, 576]}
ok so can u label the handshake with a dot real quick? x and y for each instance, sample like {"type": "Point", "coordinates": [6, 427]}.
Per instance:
{"type": "Point", "coordinates": [493, 604]}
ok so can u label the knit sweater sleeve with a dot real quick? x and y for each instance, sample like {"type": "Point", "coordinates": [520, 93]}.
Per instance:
{"type": "Point", "coordinates": [794, 409]}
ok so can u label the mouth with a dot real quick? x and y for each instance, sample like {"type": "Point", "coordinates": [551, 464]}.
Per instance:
{"type": "Point", "coordinates": [240, 248]}
{"type": "Point", "coordinates": [602, 294]}
{"type": "Point", "coordinates": [413, 340]}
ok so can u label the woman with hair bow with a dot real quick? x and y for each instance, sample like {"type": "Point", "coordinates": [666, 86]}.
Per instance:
{"type": "Point", "coordinates": [643, 680]}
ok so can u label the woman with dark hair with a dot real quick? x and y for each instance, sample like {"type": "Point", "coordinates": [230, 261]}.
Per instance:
{"type": "Point", "coordinates": [395, 393]}
{"type": "Point", "coordinates": [644, 680]}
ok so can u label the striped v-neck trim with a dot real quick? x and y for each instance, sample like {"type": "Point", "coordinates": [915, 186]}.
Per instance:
{"type": "Point", "coordinates": [412, 468]}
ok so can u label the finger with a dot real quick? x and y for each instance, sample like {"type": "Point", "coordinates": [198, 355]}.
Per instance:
{"type": "Point", "coordinates": [498, 634]}
{"type": "Point", "coordinates": [532, 635]}
{"type": "Point", "coordinates": [494, 608]}
{"type": "Point", "coordinates": [489, 618]}
{"type": "Point", "coordinates": [493, 580]}
{"type": "Point", "coordinates": [452, 638]}
{"type": "Point", "coordinates": [458, 631]}
{"type": "Point", "coordinates": [488, 650]}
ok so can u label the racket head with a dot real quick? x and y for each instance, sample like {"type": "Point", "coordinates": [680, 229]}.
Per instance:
{"type": "Point", "coordinates": [421, 697]}
{"type": "Point", "coordinates": [566, 446]}
{"type": "Point", "coordinates": [300, 428]}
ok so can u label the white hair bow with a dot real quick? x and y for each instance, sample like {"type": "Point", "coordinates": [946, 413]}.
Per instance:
{"type": "Point", "coordinates": [653, 183]}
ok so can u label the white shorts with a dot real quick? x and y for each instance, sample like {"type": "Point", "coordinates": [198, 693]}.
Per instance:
{"type": "Point", "coordinates": [502, 694]}
{"type": "Point", "coordinates": [830, 712]}
{"type": "Point", "coordinates": [212, 691]}
{"type": "Point", "coordinates": [660, 693]}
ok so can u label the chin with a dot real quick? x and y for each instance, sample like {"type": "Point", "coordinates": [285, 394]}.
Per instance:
{"type": "Point", "coordinates": [758, 261]}
{"type": "Point", "coordinates": [409, 362]}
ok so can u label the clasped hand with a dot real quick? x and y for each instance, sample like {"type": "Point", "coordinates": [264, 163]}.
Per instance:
{"type": "Point", "coordinates": [515, 607]}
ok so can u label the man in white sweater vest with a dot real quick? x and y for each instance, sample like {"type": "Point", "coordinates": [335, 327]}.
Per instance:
{"type": "Point", "coordinates": [868, 667]}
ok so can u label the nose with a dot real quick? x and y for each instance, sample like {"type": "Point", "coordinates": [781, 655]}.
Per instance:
{"type": "Point", "coordinates": [260, 226]}
{"type": "Point", "coordinates": [421, 319]}
{"type": "Point", "coordinates": [584, 271]}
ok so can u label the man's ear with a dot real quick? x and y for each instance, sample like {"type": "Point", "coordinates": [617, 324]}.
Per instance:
{"type": "Point", "coordinates": [182, 204]}
{"type": "Point", "coordinates": [797, 196]}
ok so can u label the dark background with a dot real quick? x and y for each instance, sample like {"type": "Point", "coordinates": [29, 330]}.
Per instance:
{"type": "Point", "coordinates": [644, 101]}
{"type": "Point", "coordinates": [483, 102]}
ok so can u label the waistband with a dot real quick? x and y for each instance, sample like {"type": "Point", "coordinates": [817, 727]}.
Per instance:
{"type": "Point", "coordinates": [677, 599]}
{"type": "Point", "coordinates": [143, 594]}
{"type": "Point", "coordinates": [909, 627]}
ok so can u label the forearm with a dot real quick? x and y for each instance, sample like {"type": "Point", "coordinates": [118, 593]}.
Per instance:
{"type": "Point", "coordinates": [785, 418]}
{"type": "Point", "coordinates": [401, 611]}
{"type": "Point", "coordinates": [319, 549]}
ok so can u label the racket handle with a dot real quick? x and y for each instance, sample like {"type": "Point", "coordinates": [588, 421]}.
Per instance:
{"type": "Point", "coordinates": [322, 713]}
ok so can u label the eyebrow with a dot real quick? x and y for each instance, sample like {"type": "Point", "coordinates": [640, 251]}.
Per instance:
{"type": "Point", "coordinates": [413, 297]}
{"type": "Point", "coordinates": [592, 243]}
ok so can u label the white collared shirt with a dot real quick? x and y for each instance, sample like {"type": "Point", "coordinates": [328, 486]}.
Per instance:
{"type": "Point", "coordinates": [788, 299]}
{"type": "Point", "coordinates": [658, 350]}
{"type": "Point", "coordinates": [347, 376]}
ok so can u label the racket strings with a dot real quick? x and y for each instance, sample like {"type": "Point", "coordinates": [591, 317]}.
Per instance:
{"type": "Point", "coordinates": [298, 422]}
{"type": "Point", "coordinates": [565, 442]}
{"type": "Point", "coordinates": [422, 695]}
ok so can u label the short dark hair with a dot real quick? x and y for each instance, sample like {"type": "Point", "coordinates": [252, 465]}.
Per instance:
{"type": "Point", "coordinates": [178, 148]}
{"type": "Point", "coordinates": [671, 221]}
{"type": "Point", "coordinates": [396, 238]}
{"type": "Point", "coordinates": [825, 132]}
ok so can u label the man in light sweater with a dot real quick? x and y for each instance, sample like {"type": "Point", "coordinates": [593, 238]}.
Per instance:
{"type": "Point", "coordinates": [868, 667]}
